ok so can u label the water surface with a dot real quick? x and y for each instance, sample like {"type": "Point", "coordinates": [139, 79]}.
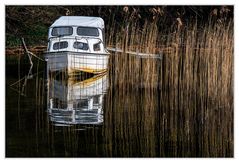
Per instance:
{"type": "Point", "coordinates": [130, 111]}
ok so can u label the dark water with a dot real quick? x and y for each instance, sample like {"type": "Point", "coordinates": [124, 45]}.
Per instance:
{"type": "Point", "coordinates": [94, 116]}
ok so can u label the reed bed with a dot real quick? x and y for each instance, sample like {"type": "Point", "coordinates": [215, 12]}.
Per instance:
{"type": "Point", "coordinates": [197, 92]}
{"type": "Point", "coordinates": [131, 69]}
{"type": "Point", "coordinates": [193, 91]}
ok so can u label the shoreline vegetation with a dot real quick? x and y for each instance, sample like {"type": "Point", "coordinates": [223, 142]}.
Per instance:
{"type": "Point", "coordinates": [32, 22]}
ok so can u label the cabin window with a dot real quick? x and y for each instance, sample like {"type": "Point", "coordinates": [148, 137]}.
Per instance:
{"type": "Point", "coordinates": [96, 46]}
{"type": "Point", "coordinates": [62, 31]}
{"type": "Point", "coordinates": [87, 31]}
{"type": "Point", "coordinates": [80, 45]}
{"type": "Point", "coordinates": [60, 45]}
{"type": "Point", "coordinates": [103, 34]}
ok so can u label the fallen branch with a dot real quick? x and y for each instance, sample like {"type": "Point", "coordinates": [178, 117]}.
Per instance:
{"type": "Point", "coordinates": [28, 52]}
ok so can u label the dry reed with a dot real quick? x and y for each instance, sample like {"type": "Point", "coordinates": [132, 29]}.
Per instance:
{"type": "Point", "coordinates": [194, 115]}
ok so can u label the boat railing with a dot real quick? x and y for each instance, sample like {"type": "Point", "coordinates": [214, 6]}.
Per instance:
{"type": "Point", "coordinates": [75, 37]}
{"type": "Point", "coordinates": [87, 38]}
{"type": "Point", "coordinates": [91, 37]}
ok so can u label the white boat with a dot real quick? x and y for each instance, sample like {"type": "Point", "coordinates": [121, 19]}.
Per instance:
{"type": "Point", "coordinates": [76, 43]}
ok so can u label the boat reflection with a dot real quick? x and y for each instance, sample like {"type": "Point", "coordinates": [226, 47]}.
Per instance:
{"type": "Point", "coordinates": [73, 101]}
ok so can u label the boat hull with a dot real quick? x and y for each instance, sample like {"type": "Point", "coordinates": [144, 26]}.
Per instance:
{"type": "Point", "coordinates": [73, 62]}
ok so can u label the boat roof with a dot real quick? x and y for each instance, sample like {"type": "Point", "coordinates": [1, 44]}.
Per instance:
{"type": "Point", "coordinates": [86, 21]}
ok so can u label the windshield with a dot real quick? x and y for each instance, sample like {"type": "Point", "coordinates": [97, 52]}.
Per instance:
{"type": "Point", "coordinates": [87, 31]}
{"type": "Point", "coordinates": [62, 31]}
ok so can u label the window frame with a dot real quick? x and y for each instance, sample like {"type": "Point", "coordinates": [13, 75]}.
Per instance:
{"type": "Point", "coordinates": [72, 31]}
{"type": "Point", "coordinates": [59, 45]}
{"type": "Point", "coordinates": [98, 33]}
{"type": "Point", "coordinates": [83, 45]}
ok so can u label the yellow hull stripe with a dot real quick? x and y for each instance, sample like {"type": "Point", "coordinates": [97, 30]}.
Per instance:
{"type": "Point", "coordinates": [94, 71]}
{"type": "Point", "coordinates": [86, 82]}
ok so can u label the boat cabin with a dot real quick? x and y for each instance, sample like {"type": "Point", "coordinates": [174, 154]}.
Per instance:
{"type": "Point", "coordinates": [77, 34]}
